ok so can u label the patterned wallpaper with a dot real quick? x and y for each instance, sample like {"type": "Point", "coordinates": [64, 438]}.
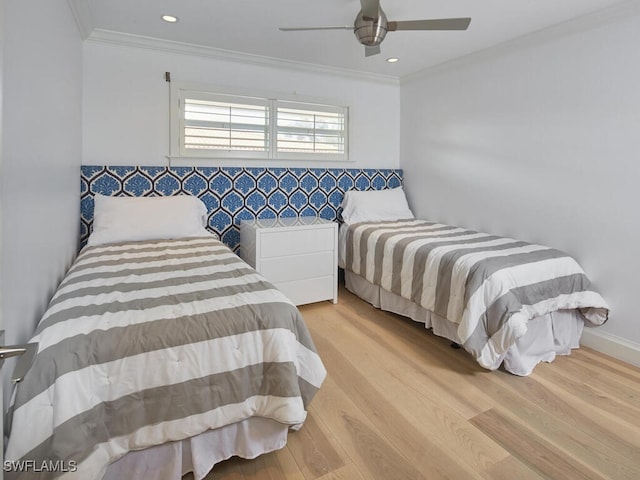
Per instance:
{"type": "Point", "coordinates": [232, 194]}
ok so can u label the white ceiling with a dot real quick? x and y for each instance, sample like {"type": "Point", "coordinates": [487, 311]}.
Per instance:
{"type": "Point", "coordinates": [251, 26]}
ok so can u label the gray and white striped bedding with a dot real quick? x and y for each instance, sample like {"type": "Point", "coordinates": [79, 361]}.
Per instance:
{"type": "Point", "coordinates": [489, 286]}
{"type": "Point", "coordinates": [149, 342]}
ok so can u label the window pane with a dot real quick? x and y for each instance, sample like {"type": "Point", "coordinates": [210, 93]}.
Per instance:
{"type": "Point", "coordinates": [309, 130]}
{"type": "Point", "coordinates": [214, 125]}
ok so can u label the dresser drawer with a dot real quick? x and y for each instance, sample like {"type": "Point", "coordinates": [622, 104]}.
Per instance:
{"type": "Point", "coordinates": [296, 267]}
{"type": "Point", "coordinates": [307, 240]}
{"type": "Point", "coordinates": [301, 292]}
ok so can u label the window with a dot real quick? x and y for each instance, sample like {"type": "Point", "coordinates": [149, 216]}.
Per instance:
{"type": "Point", "coordinates": [207, 124]}
{"type": "Point", "coordinates": [310, 128]}
{"type": "Point", "coordinates": [225, 125]}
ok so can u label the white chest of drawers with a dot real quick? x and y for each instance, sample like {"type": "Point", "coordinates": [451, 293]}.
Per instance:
{"type": "Point", "coordinates": [299, 255]}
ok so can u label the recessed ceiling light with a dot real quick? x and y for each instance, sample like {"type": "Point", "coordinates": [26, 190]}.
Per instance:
{"type": "Point", "coordinates": [392, 60]}
{"type": "Point", "coordinates": [170, 18]}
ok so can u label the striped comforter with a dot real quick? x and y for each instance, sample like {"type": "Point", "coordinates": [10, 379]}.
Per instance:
{"type": "Point", "coordinates": [149, 342]}
{"type": "Point", "coordinates": [490, 286]}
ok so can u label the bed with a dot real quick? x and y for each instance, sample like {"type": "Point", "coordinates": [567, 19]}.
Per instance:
{"type": "Point", "coordinates": [159, 356]}
{"type": "Point", "coordinates": [507, 302]}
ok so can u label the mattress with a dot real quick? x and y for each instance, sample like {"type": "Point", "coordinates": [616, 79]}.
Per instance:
{"type": "Point", "coordinates": [483, 290]}
{"type": "Point", "coordinates": [147, 343]}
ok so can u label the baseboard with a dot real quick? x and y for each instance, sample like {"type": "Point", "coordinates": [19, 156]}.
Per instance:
{"type": "Point", "coordinates": [611, 345]}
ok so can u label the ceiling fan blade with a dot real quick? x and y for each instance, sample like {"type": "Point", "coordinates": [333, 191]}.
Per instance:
{"type": "Point", "coordinates": [434, 24]}
{"type": "Point", "coordinates": [370, 8]}
{"type": "Point", "coordinates": [369, 51]}
{"type": "Point", "coordinates": [300, 29]}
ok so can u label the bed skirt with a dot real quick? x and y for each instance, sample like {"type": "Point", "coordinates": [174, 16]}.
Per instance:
{"type": "Point", "coordinates": [170, 461]}
{"type": "Point", "coordinates": [555, 333]}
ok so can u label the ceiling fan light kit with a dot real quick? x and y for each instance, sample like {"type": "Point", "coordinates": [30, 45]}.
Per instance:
{"type": "Point", "coordinates": [368, 31]}
{"type": "Point", "coordinates": [371, 26]}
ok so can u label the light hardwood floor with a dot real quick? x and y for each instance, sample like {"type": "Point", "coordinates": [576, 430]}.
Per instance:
{"type": "Point", "coordinates": [399, 403]}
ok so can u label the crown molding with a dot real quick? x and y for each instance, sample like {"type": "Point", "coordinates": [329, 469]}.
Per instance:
{"type": "Point", "coordinates": [576, 25]}
{"type": "Point", "coordinates": [168, 46]}
{"type": "Point", "coordinates": [82, 16]}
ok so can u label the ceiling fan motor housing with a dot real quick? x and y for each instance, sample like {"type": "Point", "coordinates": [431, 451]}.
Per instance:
{"type": "Point", "coordinates": [369, 31]}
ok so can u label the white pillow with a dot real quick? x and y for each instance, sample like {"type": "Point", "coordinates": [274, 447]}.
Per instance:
{"type": "Point", "coordinates": [123, 219]}
{"type": "Point", "coordinates": [375, 205]}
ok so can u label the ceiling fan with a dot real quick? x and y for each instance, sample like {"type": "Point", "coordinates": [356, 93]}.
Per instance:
{"type": "Point", "coordinates": [371, 26]}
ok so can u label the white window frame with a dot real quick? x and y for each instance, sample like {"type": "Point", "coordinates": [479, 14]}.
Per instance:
{"type": "Point", "coordinates": [182, 90]}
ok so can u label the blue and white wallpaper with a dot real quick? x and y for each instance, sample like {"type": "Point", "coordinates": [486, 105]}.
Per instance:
{"type": "Point", "coordinates": [232, 194]}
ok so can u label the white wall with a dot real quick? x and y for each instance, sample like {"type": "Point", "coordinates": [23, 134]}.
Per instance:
{"type": "Point", "coordinates": [41, 158]}
{"type": "Point", "coordinates": [539, 142]}
{"type": "Point", "coordinates": [126, 105]}
{"type": "Point", "coordinates": [1, 239]}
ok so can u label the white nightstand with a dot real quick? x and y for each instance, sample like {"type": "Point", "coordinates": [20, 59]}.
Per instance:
{"type": "Point", "coordinates": [299, 255]}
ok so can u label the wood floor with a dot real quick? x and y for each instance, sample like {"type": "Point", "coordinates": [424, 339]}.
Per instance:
{"type": "Point", "coordinates": [399, 403]}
